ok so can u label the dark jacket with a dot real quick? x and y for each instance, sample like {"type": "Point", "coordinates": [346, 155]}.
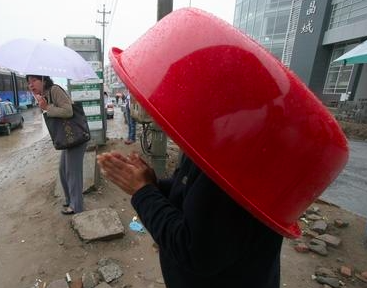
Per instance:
{"type": "Point", "coordinates": [206, 239]}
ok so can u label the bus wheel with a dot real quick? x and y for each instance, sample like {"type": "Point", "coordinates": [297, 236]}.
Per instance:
{"type": "Point", "coordinates": [7, 129]}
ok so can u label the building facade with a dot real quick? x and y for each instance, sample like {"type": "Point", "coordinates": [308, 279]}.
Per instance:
{"type": "Point", "coordinates": [112, 83]}
{"type": "Point", "coordinates": [307, 36]}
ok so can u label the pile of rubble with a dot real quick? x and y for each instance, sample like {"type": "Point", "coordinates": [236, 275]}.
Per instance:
{"type": "Point", "coordinates": [95, 225]}
{"type": "Point", "coordinates": [108, 271]}
{"type": "Point", "coordinates": [317, 237]}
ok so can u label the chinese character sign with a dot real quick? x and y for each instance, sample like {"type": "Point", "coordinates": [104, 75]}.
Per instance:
{"type": "Point", "coordinates": [312, 8]}
{"type": "Point", "coordinates": [308, 26]}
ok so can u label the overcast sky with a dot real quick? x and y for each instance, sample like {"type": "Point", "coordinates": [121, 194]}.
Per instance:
{"type": "Point", "coordinates": [129, 19]}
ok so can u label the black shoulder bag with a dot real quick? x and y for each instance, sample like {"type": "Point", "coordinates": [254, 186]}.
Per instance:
{"type": "Point", "coordinates": [68, 132]}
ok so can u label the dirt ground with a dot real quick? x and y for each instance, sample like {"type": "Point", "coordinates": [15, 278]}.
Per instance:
{"type": "Point", "coordinates": [38, 245]}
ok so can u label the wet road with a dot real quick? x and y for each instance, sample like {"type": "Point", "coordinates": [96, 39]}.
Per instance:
{"type": "Point", "coordinates": [34, 129]}
{"type": "Point", "coordinates": [348, 191]}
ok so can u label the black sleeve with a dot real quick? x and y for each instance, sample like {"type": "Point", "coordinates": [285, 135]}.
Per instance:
{"type": "Point", "coordinates": [205, 236]}
{"type": "Point", "coordinates": [165, 186]}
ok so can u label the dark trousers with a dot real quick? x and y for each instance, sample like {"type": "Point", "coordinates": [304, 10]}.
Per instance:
{"type": "Point", "coordinates": [132, 126]}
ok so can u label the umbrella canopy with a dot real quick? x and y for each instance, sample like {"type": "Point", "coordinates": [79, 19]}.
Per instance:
{"type": "Point", "coordinates": [35, 57]}
{"type": "Point", "coordinates": [357, 55]}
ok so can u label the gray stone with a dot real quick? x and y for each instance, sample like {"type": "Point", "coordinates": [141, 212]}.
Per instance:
{"type": "Point", "coordinates": [110, 272]}
{"type": "Point", "coordinates": [313, 217]}
{"type": "Point", "coordinates": [90, 279]}
{"type": "Point", "coordinates": [310, 233]}
{"type": "Point", "coordinates": [319, 226]}
{"type": "Point", "coordinates": [330, 239]}
{"type": "Point", "coordinates": [325, 272]}
{"type": "Point", "coordinates": [315, 241]}
{"type": "Point", "coordinates": [313, 210]}
{"type": "Point", "coordinates": [333, 282]}
{"type": "Point", "coordinates": [360, 277]}
{"type": "Point", "coordinates": [104, 262]}
{"type": "Point", "coordinates": [319, 249]}
{"type": "Point", "coordinates": [98, 224]}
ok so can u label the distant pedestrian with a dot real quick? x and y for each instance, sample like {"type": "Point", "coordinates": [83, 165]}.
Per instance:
{"type": "Point", "coordinates": [117, 99]}
{"type": "Point", "coordinates": [123, 107]}
{"type": "Point", "coordinates": [131, 137]}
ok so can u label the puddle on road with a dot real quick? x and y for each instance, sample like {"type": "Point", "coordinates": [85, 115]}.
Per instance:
{"type": "Point", "coordinates": [34, 130]}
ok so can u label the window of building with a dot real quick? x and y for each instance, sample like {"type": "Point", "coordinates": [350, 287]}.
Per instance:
{"type": "Point", "coordinates": [284, 3]}
{"type": "Point", "coordinates": [266, 21]}
{"type": "Point", "coordinates": [281, 22]}
{"type": "Point", "coordinates": [269, 23]}
{"type": "Point", "coordinates": [345, 12]}
{"type": "Point", "coordinates": [338, 76]}
{"type": "Point", "coordinates": [260, 6]}
{"type": "Point", "coordinates": [257, 28]}
{"type": "Point", "coordinates": [244, 13]}
{"type": "Point", "coordinates": [251, 17]}
{"type": "Point", "coordinates": [237, 15]}
{"type": "Point", "coordinates": [272, 4]}
{"type": "Point", "coordinates": [277, 50]}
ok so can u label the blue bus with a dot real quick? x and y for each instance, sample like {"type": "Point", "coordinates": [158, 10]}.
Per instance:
{"type": "Point", "coordinates": [14, 88]}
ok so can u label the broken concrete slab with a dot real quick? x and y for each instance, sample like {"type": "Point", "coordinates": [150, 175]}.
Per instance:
{"type": "Point", "coordinates": [98, 224]}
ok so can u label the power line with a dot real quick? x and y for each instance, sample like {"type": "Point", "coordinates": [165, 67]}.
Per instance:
{"type": "Point", "coordinates": [114, 5]}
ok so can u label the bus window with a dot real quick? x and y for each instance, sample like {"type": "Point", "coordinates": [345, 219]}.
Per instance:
{"type": "Point", "coordinates": [6, 88]}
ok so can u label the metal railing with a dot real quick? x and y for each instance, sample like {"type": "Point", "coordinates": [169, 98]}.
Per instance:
{"type": "Point", "coordinates": [354, 111]}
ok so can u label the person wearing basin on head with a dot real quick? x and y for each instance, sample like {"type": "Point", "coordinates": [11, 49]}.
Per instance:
{"type": "Point", "coordinates": [54, 101]}
{"type": "Point", "coordinates": [258, 147]}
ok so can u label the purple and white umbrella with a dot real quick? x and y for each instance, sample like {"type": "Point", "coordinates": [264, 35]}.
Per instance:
{"type": "Point", "coordinates": [27, 56]}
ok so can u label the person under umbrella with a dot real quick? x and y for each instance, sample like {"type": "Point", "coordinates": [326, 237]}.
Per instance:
{"type": "Point", "coordinates": [54, 101]}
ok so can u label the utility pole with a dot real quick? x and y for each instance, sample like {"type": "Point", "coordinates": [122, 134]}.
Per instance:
{"type": "Point", "coordinates": [159, 138]}
{"type": "Point", "coordinates": [164, 7]}
{"type": "Point", "coordinates": [103, 23]}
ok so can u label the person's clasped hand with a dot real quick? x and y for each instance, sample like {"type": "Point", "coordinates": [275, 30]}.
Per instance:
{"type": "Point", "coordinates": [130, 172]}
{"type": "Point", "coordinates": [42, 103]}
